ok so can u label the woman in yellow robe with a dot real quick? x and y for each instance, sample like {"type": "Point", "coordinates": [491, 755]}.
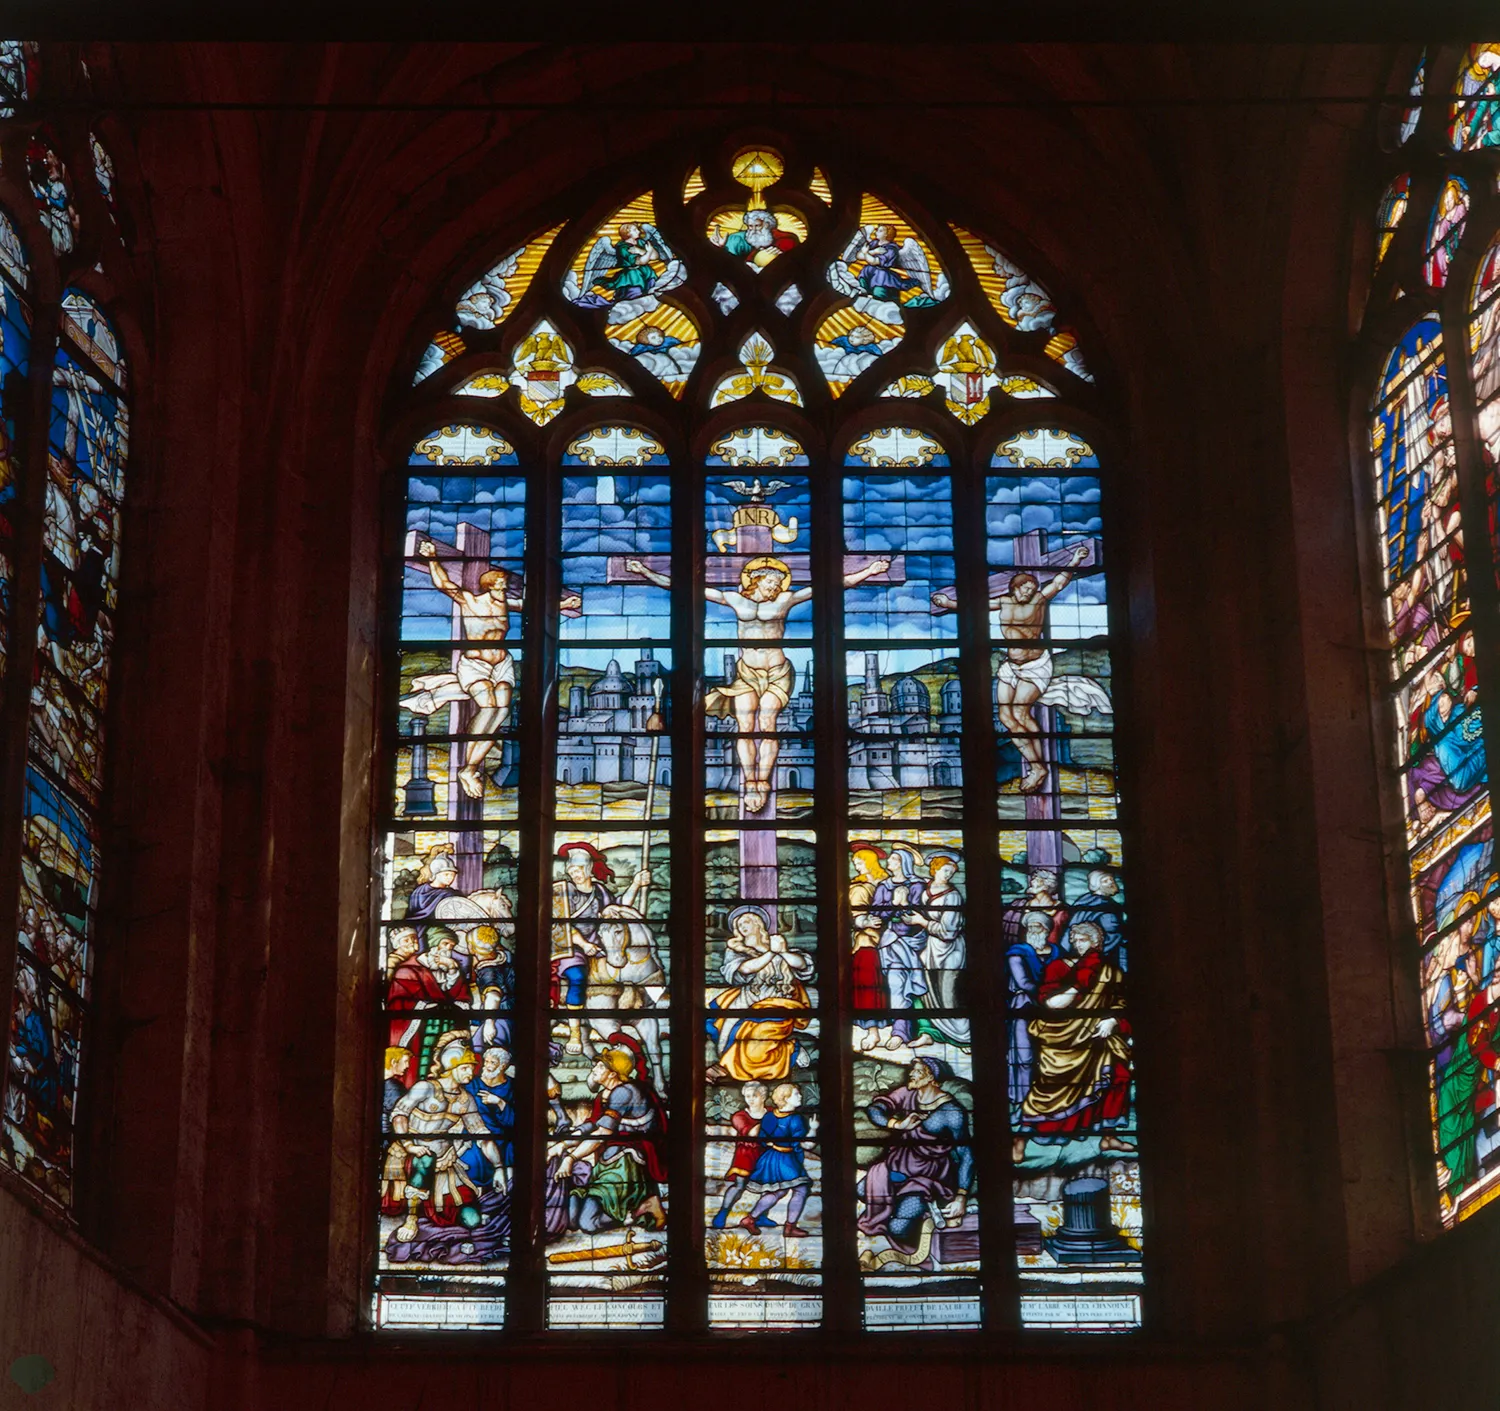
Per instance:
{"type": "Point", "coordinates": [763, 974]}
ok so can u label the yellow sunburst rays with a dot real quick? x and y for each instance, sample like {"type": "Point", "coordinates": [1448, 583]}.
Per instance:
{"type": "Point", "coordinates": [843, 321]}
{"type": "Point", "coordinates": [874, 211]}
{"type": "Point", "coordinates": [757, 168]}
{"type": "Point", "coordinates": [985, 260]}
{"type": "Point", "coordinates": [693, 185]}
{"type": "Point", "coordinates": [525, 260]}
{"type": "Point", "coordinates": [1393, 208]}
{"type": "Point", "coordinates": [1063, 343]}
{"type": "Point", "coordinates": [820, 188]}
{"type": "Point", "coordinates": [639, 211]}
{"type": "Point", "coordinates": [528, 261]}
{"type": "Point", "coordinates": [757, 375]}
{"type": "Point", "coordinates": [674, 323]}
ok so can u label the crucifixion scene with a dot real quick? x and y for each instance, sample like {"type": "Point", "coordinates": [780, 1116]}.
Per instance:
{"type": "Point", "coordinates": [756, 589]}
{"type": "Point", "coordinates": [462, 601]}
{"type": "Point", "coordinates": [1050, 681]}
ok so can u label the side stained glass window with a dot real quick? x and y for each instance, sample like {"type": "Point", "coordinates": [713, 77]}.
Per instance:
{"type": "Point", "coordinates": [1392, 207]}
{"type": "Point", "coordinates": [64, 454]}
{"type": "Point", "coordinates": [751, 954]}
{"type": "Point", "coordinates": [15, 357]}
{"type": "Point", "coordinates": [1434, 434]}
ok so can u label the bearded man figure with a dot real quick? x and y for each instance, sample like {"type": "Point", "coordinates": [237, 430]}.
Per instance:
{"type": "Point", "coordinates": [760, 239]}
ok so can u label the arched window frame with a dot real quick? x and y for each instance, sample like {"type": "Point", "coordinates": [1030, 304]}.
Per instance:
{"type": "Point", "coordinates": [89, 266]}
{"type": "Point", "coordinates": [1416, 141]}
{"type": "Point", "coordinates": [687, 428]}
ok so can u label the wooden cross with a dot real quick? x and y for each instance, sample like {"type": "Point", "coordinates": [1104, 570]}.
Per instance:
{"type": "Point", "coordinates": [758, 871]}
{"type": "Point", "coordinates": [466, 559]}
{"type": "Point", "coordinates": [1043, 845]}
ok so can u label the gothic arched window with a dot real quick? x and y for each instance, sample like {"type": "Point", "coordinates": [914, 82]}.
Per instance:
{"type": "Point", "coordinates": [63, 451]}
{"type": "Point", "coordinates": [1433, 332]}
{"type": "Point", "coordinates": [751, 940]}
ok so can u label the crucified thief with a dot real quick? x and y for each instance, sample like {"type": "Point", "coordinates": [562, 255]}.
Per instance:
{"type": "Point", "coordinates": [763, 677]}
{"type": "Point", "coordinates": [1026, 673]}
{"type": "Point", "coordinates": [485, 675]}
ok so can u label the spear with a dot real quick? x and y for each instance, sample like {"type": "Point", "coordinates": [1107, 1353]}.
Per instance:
{"type": "Point", "coordinates": [655, 725]}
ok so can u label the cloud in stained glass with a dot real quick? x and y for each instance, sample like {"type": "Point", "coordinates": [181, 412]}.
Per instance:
{"type": "Point", "coordinates": [625, 267]}
{"type": "Point", "coordinates": [488, 302]}
{"type": "Point", "coordinates": [664, 340]}
{"type": "Point", "coordinates": [788, 299]}
{"type": "Point", "coordinates": [849, 341]}
{"type": "Point", "coordinates": [1475, 119]}
{"type": "Point", "coordinates": [756, 374]}
{"type": "Point", "coordinates": [1063, 348]}
{"type": "Point", "coordinates": [463, 445]}
{"type": "Point", "coordinates": [13, 263]}
{"type": "Point", "coordinates": [492, 298]}
{"type": "Point", "coordinates": [725, 298]}
{"type": "Point", "coordinates": [887, 267]}
{"type": "Point", "coordinates": [445, 346]}
{"type": "Point", "coordinates": [1019, 299]}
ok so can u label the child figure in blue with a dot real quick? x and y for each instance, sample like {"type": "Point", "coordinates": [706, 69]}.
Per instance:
{"type": "Point", "coordinates": [780, 1167]}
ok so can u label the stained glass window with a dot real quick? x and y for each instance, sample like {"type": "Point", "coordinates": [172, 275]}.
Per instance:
{"type": "Point", "coordinates": [751, 952]}
{"type": "Point", "coordinates": [1392, 207]}
{"type": "Point", "coordinates": [1413, 112]}
{"type": "Point", "coordinates": [1434, 434]}
{"type": "Point", "coordinates": [62, 483]}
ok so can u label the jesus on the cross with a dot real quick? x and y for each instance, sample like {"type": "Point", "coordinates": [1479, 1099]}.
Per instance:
{"type": "Point", "coordinates": [486, 675]}
{"type": "Point", "coordinates": [763, 677]}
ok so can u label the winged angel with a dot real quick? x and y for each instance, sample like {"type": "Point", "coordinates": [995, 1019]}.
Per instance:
{"type": "Point", "coordinates": [625, 275]}
{"type": "Point", "coordinates": [889, 276]}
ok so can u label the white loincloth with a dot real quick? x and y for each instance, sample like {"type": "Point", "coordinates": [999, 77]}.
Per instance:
{"type": "Point", "coordinates": [1079, 694]}
{"type": "Point", "coordinates": [1038, 672]}
{"type": "Point", "coordinates": [472, 670]}
{"type": "Point", "coordinates": [443, 688]}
